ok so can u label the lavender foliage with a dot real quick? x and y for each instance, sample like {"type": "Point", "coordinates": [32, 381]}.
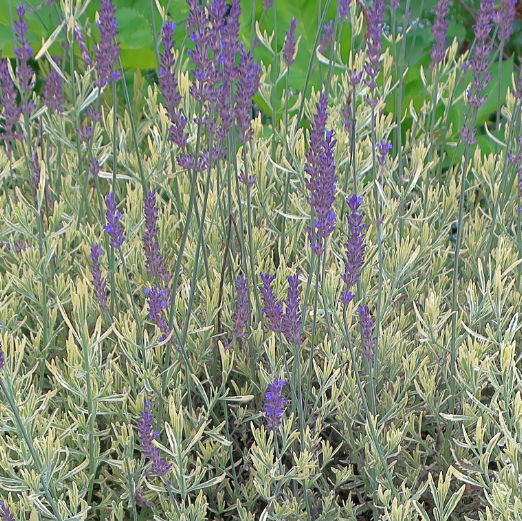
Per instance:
{"type": "Point", "coordinates": [272, 308]}
{"type": "Point", "coordinates": [113, 226]}
{"type": "Point", "coordinates": [100, 286]}
{"type": "Point", "coordinates": [242, 313]}
{"type": "Point", "coordinates": [320, 167]}
{"type": "Point", "coordinates": [108, 50]}
{"type": "Point", "coordinates": [274, 405]}
{"type": "Point", "coordinates": [354, 248]}
{"type": "Point", "coordinates": [53, 91]}
{"type": "Point", "coordinates": [289, 45]}
{"type": "Point", "coordinates": [2, 363]}
{"type": "Point", "coordinates": [291, 320]}
{"type": "Point", "coordinates": [147, 435]}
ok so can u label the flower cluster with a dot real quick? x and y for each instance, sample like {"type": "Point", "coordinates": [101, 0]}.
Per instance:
{"type": "Point", "coordinates": [504, 17]}
{"type": "Point", "coordinates": [113, 226]}
{"type": "Point", "coordinates": [6, 512]}
{"type": "Point", "coordinates": [366, 321]}
{"type": "Point", "coordinates": [289, 45]}
{"type": "Point", "coordinates": [374, 41]}
{"type": "Point", "coordinates": [272, 308]}
{"type": "Point", "coordinates": [158, 301]}
{"type": "Point", "coordinates": [10, 109]}
{"type": "Point", "coordinates": [274, 405]}
{"type": "Point", "coordinates": [354, 249]}
{"type": "Point", "coordinates": [80, 40]}
{"type": "Point", "coordinates": [344, 8]}
{"type": "Point", "coordinates": [242, 313]}
{"type": "Point", "coordinates": [326, 37]}
{"type": "Point", "coordinates": [147, 435]}
{"type": "Point", "coordinates": [440, 31]}
{"type": "Point", "coordinates": [108, 50]}
{"type": "Point", "coordinates": [24, 52]}
{"type": "Point", "coordinates": [154, 259]}
{"type": "Point", "coordinates": [53, 91]}
{"type": "Point", "coordinates": [320, 167]}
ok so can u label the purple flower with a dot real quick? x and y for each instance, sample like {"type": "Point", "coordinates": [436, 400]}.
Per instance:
{"type": "Point", "coordinates": [440, 31]}
{"type": "Point", "coordinates": [267, 4]}
{"type": "Point", "coordinates": [154, 259]}
{"type": "Point", "coordinates": [146, 434]}
{"type": "Point", "coordinates": [53, 91]}
{"type": "Point", "coordinates": [169, 87]}
{"type": "Point", "coordinates": [23, 52]}
{"type": "Point", "coordinates": [274, 404]}
{"type": "Point", "coordinates": [468, 136]}
{"type": "Point", "coordinates": [482, 49]}
{"type": "Point", "coordinates": [100, 288]}
{"type": "Point", "coordinates": [10, 109]}
{"type": "Point", "coordinates": [289, 45]}
{"type": "Point", "coordinates": [354, 248]}
{"type": "Point", "coordinates": [242, 307]}
{"type": "Point", "coordinates": [80, 40]}
{"type": "Point", "coordinates": [504, 17]}
{"type": "Point", "coordinates": [94, 166]}
{"type": "Point", "coordinates": [248, 83]}
{"type": "Point", "coordinates": [113, 226]}
{"type": "Point", "coordinates": [158, 301]}
{"type": "Point", "coordinates": [291, 320]}
{"type": "Point", "coordinates": [374, 42]}
{"type": "Point", "coordinates": [272, 308]}
{"type": "Point", "coordinates": [383, 147]}
{"type": "Point", "coordinates": [366, 321]}
{"type": "Point", "coordinates": [108, 50]}
{"type": "Point", "coordinates": [344, 8]}
{"type": "Point", "coordinates": [6, 513]}
{"type": "Point", "coordinates": [326, 37]}
{"type": "Point", "coordinates": [320, 167]}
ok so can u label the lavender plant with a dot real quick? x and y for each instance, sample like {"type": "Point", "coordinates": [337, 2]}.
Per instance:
{"type": "Point", "coordinates": [398, 343]}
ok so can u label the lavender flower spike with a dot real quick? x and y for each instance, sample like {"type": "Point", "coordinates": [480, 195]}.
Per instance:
{"type": "Point", "coordinates": [366, 322]}
{"type": "Point", "coordinates": [100, 287]}
{"type": "Point", "coordinates": [113, 226]}
{"type": "Point", "coordinates": [374, 41]}
{"type": "Point", "coordinates": [146, 434]}
{"type": "Point", "coordinates": [274, 406]}
{"type": "Point", "coordinates": [108, 50]}
{"type": "Point", "coordinates": [242, 308]}
{"type": "Point", "coordinates": [344, 8]}
{"type": "Point", "coordinates": [289, 45]}
{"type": "Point", "coordinates": [6, 513]}
{"type": "Point", "coordinates": [291, 321]}
{"type": "Point", "coordinates": [158, 301]}
{"type": "Point", "coordinates": [23, 52]}
{"type": "Point", "coordinates": [354, 249]}
{"type": "Point", "coordinates": [504, 17]}
{"type": "Point", "coordinates": [53, 91]}
{"type": "Point", "coordinates": [440, 31]}
{"type": "Point", "coordinates": [80, 40]}
{"type": "Point", "coordinates": [326, 37]}
{"type": "Point", "coordinates": [10, 109]}
{"type": "Point", "coordinates": [272, 309]}
{"type": "Point", "coordinates": [320, 167]}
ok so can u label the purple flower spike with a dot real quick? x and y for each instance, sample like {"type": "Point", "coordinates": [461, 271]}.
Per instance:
{"type": "Point", "coordinates": [354, 249]}
{"type": "Point", "coordinates": [320, 167]}
{"type": "Point", "coordinates": [53, 91]}
{"type": "Point", "coordinates": [6, 513]}
{"type": "Point", "coordinates": [113, 226]}
{"type": "Point", "coordinates": [291, 321]}
{"type": "Point", "coordinates": [10, 109]}
{"type": "Point", "coordinates": [108, 50]}
{"type": "Point", "coordinates": [242, 308]}
{"type": "Point", "coordinates": [169, 87]}
{"type": "Point", "coordinates": [289, 45]}
{"type": "Point", "coordinates": [158, 301]}
{"type": "Point", "coordinates": [366, 321]}
{"type": "Point", "coordinates": [80, 40]}
{"type": "Point", "coordinates": [23, 52]}
{"type": "Point", "coordinates": [100, 287]}
{"type": "Point", "coordinates": [383, 147]}
{"type": "Point", "coordinates": [504, 17]}
{"type": "Point", "coordinates": [154, 259]}
{"type": "Point", "coordinates": [440, 31]}
{"type": "Point", "coordinates": [326, 37]}
{"type": "Point", "coordinates": [272, 309]}
{"type": "Point", "coordinates": [344, 8]}
{"type": "Point", "coordinates": [146, 434]}
{"type": "Point", "coordinates": [374, 42]}
{"type": "Point", "coordinates": [274, 405]}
